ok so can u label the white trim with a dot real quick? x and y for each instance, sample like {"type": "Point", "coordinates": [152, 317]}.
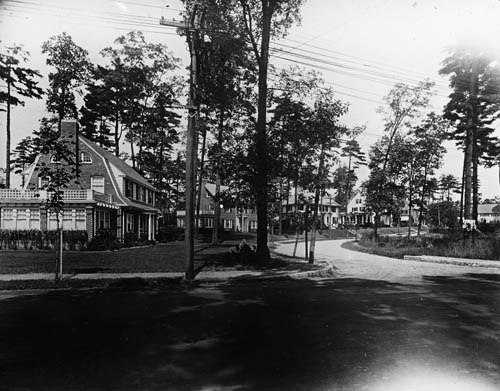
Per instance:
{"type": "Point", "coordinates": [32, 170]}
{"type": "Point", "coordinates": [104, 160]}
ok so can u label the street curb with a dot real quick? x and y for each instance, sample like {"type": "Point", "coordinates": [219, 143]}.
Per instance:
{"type": "Point", "coordinates": [326, 271]}
{"type": "Point", "coordinates": [453, 261]}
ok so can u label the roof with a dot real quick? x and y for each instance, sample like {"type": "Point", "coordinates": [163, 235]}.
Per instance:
{"type": "Point", "coordinates": [120, 164]}
{"type": "Point", "coordinates": [210, 187]}
{"type": "Point", "coordinates": [488, 208]}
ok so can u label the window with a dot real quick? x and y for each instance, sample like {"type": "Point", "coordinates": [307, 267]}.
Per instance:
{"type": "Point", "coordinates": [227, 210]}
{"type": "Point", "coordinates": [97, 183]}
{"type": "Point", "coordinates": [85, 158]}
{"type": "Point", "coordinates": [253, 225]}
{"type": "Point", "coordinates": [130, 222]}
{"type": "Point", "coordinates": [67, 215]}
{"type": "Point", "coordinates": [43, 182]}
{"type": "Point", "coordinates": [151, 197]}
{"type": "Point", "coordinates": [210, 206]}
{"type": "Point", "coordinates": [228, 223]}
{"type": "Point", "coordinates": [129, 189]}
{"type": "Point", "coordinates": [354, 209]}
{"type": "Point", "coordinates": [103, 219]}
{"type": "Point", "coordinates": [209, 222]}
{"type": "Point", "coordinates": [7, 213]}
{"type": "Point", "coordinates": [80, 220]}
{"type": "Point", "coordinates": [143, 194]}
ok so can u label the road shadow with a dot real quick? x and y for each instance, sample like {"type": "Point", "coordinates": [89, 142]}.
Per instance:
{"type": "Point", "coordinates": [343, 334]}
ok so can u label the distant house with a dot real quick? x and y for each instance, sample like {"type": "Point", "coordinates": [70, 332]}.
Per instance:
{"type": "Point", "coordinates": [488, 213]}
{"type": "Point", "coordinates": [328, 209]}
{"type": "Point", "coordinates": [231, 218]}
{"type": "Point", "coordinates": [110, 196]}
{"type": "Point", "coordinates": [358, 214]}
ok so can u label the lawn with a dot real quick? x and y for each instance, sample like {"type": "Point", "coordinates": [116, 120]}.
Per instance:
{"type": "Point", "coordinates": [158, 258]}
{"type": "Point", "coordinates": [162, 257]}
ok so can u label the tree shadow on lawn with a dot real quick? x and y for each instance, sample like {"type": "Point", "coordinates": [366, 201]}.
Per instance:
{"type": "Point", "coordinates": [273, 335]}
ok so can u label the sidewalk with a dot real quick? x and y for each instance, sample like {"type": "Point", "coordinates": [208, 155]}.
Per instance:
{"type": "Point", "coordinates": [454, 261]}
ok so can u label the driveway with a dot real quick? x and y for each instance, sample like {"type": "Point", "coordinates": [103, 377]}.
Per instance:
{"type": "Point", "coordinates": [353, 264]}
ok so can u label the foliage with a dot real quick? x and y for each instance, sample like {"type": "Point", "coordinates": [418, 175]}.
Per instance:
{"type": "Point", "coordinates": [393, 154]}
{"type": "Point", "coordinates": [448, 245]}
{"type": "Point", "coordinates": [72, 66]}
{"type": "Point", "coordinates": [444, 214]}
{"type": "Point", "coordinates": [448, 184]}
{"type": "Point", "coordinates": [20, 82]}
{"type": "Point", "coordinates": [263, 20]}
{"type": "Point", "coordinates": [104, 239]}
{"type": "Point", "coordinates": [472, 109]}
{"type": "Point", "coordinates": [170, 233]}
{"type": "Point", "coordinates": [41, 240]}
{"type": "Point", "coordinates": [132, 95]}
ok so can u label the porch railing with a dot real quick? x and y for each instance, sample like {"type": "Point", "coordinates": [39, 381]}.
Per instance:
{"type": "Point", "coordinates": [68, 195]}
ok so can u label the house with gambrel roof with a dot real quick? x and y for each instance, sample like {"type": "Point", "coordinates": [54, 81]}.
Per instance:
{"type": "Point", "coordinates": [110, 195]}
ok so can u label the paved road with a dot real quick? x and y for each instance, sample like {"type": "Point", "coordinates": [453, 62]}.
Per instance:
{"type": "Point", "coordinates": [408, 331]}
{"type": "Point", "coordinates": [353, 264]}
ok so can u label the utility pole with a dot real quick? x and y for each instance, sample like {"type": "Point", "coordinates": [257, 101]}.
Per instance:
{"type": "Point", "coordinates": [192, 27]}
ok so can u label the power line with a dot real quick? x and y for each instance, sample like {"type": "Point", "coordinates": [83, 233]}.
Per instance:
{"type": "Point", "coordinates": [143, 22]}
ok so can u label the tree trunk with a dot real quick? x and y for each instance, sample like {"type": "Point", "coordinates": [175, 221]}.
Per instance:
{"type": "Point", "coordinates": [422, 200]}
{"type": "Point", "coordinates": [132, 151]}
{"type": "Point", "coordinates": [376, 219]}
{"type": "Point", "coordinates": [200, 176]}
{"type": "Point", "coordinates": [261, 176]}
{"type": "Point", "coordinates": [296, 242]}
{"type": "Point", "coordinates": [475, 152]}
{"type": "Point", "coordinates": [306, 239]}
{"type": "Point", "coordinates": [280, 211]}
{"type": "Point", "coordinates": [61, 110]}
{"type": "Point", "coordinates": [410, 204]}
{"type": "Point", "coordinates": [316, 205]}
{"type": "Point", "coordinates": [468, 177]}
{"type": "Point", "coordinates": [462, 191]}
{"type": "Point", "coordinates": [117, 138]}
{"type": "Point", "coordinates": [215, 236]}
{"type": "Point", "coordinates": [8, 141]}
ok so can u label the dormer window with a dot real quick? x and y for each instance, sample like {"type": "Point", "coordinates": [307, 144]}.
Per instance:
{"type": "Point", "coordinates": [85, 158]}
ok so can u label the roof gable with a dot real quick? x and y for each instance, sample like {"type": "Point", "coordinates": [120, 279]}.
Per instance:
{"type": "Point", "coordinates": [119, 164]}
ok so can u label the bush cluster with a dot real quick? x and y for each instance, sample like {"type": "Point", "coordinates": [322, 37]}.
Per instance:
{"type": "Point", "coordinates": [170, 233]}
{"type": "Point", "coordinates": [104, 239]}
{"type": "Point", "coordinates": [450, 244]}
{"type": "Point", "coordinates": [41, 240]}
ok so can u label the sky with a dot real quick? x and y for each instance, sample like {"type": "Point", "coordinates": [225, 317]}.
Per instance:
{"type": "Point", "coordinates": [362, 47]}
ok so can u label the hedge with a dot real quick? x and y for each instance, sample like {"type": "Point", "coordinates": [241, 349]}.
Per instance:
{"type": "Point", "coordinates": [38, 240]}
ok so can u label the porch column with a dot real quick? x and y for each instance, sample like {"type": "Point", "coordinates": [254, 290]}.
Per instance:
{"type": "Point", "coordinates": [150, 227]}
{"type": "Point", "coordinates": [119, 225]}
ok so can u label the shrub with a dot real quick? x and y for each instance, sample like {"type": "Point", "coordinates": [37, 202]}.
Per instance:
{"type": "Point", "coordinates": [170, 233]}
{"type": "Point", "coordinates": [241, 254]}
{"type": "Point", "coordinates": [104, 239]}
{"type": "Point", "coordinates": [449, 245]}
{"type": "Point", "coordinates": [41, 240]}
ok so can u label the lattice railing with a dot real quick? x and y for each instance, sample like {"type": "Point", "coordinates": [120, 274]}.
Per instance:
{"type": "Point", "coordinates": [69, 195]}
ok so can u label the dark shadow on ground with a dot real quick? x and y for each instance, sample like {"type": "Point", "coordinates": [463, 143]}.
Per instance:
{"type": "Point", "coordinates": [346, 334]}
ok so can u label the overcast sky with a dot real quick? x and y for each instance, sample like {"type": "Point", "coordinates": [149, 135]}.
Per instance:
{"type": "Point", "coordinates": [363, 47]}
